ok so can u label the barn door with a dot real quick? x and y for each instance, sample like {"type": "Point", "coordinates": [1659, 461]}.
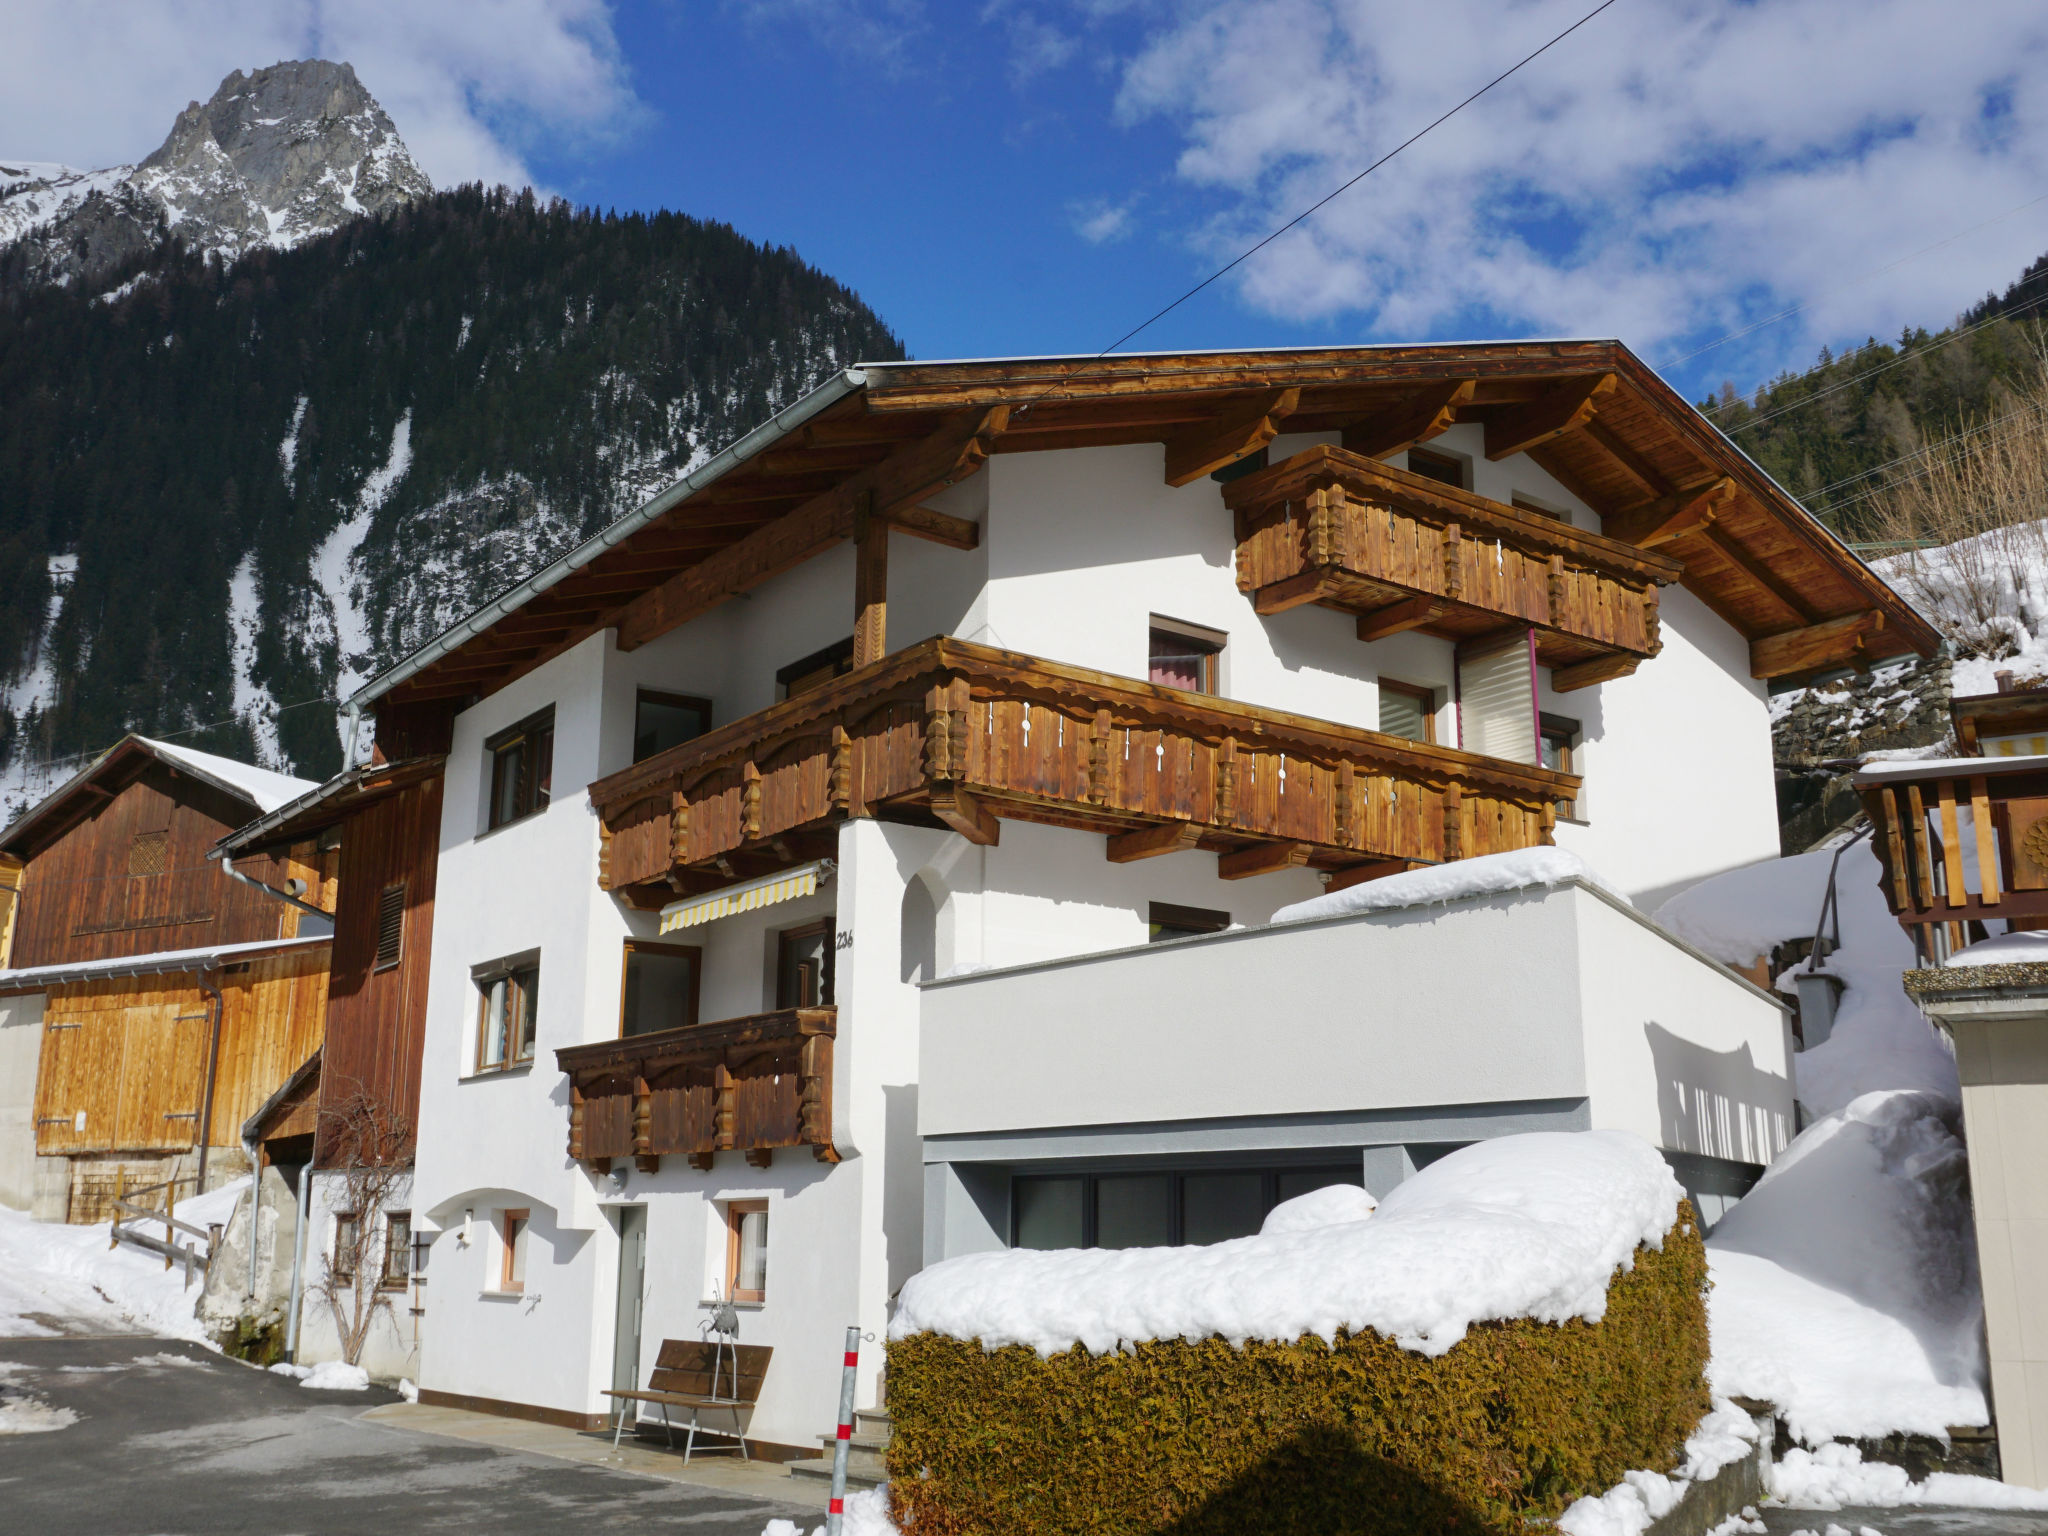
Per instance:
{"type": "Point", "coordinates": [1497, 697]}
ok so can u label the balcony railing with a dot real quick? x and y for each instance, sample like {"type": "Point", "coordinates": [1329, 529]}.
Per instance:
{"type": "Point", "coordinates": [1961, 841]}
{"type": "Point", "coordinates": [964, 735]}
{"type": "Point", "coordinates": [1402, 552]}
{"type": "Point", "coordinates": [747, 1085]}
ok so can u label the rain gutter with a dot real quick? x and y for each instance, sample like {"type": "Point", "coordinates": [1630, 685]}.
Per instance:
{"type": "Point", "coordinates": [776, 427]}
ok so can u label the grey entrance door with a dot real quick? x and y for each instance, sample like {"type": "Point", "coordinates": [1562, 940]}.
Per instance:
{"type": "Point", "coordinates": [632, 1221]}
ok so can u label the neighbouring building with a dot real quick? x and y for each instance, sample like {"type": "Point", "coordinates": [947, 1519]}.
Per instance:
{"type": "Point", "coordinates": [865, 852]}
{"type": "Point", "coordinates": [165, 1000]}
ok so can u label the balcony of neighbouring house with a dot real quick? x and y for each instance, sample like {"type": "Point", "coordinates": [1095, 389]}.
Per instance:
{"type": "Point", "coordinates": [1403, 552]}
{"type": "Point", "coordinates": [949, 733]}
{"type": "Point", "coordinates": [1962, 841]}
{"type": "Point", "coordinates": [748, 1084]}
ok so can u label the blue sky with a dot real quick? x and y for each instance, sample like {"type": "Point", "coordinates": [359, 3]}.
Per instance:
{"type": "Point", "coordinates": [999, 176]}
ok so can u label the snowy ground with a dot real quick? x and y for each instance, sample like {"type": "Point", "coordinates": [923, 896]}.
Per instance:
{"type": "Point", "coordinates": [57, 1279]}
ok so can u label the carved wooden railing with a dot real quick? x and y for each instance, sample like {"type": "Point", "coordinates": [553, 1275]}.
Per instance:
{"type": "Point", "coordinates": [969, 735]}
{"type": "Point", "coordinates": [1961, 840]}
{"type": "Point", "coordinates": [747, 1085]}
{"type": "Point", "coordinates": [1403, 552]}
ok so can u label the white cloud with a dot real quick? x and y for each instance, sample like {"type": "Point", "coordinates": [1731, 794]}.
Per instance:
{"type": "Point", "coordinates": [1100, 222]}
{"type": "Point", "coordinates": [1672, 169]}
{"type": "Point", "coordinates": [474, 88]}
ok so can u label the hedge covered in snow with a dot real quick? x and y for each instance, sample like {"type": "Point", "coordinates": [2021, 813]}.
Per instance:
{"type": "Point", "coordinates": [1500, 1338]}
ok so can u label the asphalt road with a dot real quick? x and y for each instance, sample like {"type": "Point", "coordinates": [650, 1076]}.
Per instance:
{"type": "Point", "coordinates": [172, 1440]}
{"type": "Point", "coordinates": [1906, 1522]}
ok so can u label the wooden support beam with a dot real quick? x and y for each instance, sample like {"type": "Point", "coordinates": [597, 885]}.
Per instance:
{"type": "Point", "coordinates": [1987, 841]}
{"type": "Point", "coordinates": [939, 527]}
{"type": "Point", "coordinates": [1265, 859]}
{"type": "Point", "coordinates": [966, 814]}
{"type": "Point", "coordinates": [1416, 419]}
{"type": "Point", "coordinates": [1292, 592]}
{"type": "Point", "coordinates": [1358, 874]}
{"type": "Point", "coordinates": [1759, 572]}
{"type": "Point", "coordinates": [1244, 427]}
{"type": "Point", "coordinates": [1409, 613]}
{"type": "Point", "coordinates": [870, 584]}
{"type": "Point", "coordinates": [1668, 517]}
{"type": "Point", "coordinates": [1648, 478]}
{"type": "Point", "coordinates": [907, 476]}
{"type": "Point", "coordinates": [1817, 645]}
{"type": "Point", "coordinates": [1951, 843]}
{"type": "Point", "coordinates": [1565, 408]}
{"type": "Point", "coordinates": [1150, 842]}
{"type": "Point", "coordinates": [1601, 669]}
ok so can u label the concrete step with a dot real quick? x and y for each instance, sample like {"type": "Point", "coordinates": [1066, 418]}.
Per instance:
{"type": "Point", "coordinates": [872, 1421]}
{"type": "Point", "coordinates": [865, 1463]}
{"type": "Point", "coordinates": [861, 1472]}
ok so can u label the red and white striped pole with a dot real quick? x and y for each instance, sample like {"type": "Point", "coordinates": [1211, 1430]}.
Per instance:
{"type": "Point", "coordinates": [835, 1515]}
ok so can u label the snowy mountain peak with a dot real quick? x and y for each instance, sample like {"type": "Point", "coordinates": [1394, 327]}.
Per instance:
{"type": "Point", "coordinates": [274, 157]}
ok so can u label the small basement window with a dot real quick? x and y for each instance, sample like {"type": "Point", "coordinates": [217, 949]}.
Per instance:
{"type": "Point", "coordinates": [1184, 656]}
{"type": "Point", "coordinates": [664, 720]}
{"type": "Point", "coordinates": [1166, 921]}
{"type": "Point", "coordinates": [815, 670]}
{"type": "Point", "coordinates": [522, 762]}
{"type": "Point", "coordinates": [746, 1250]}
{"type": "Point", "coordinates": [1444, 467]}
{"type": "Point", "coordinates": [1407, 710]}
{"type": "Point", "coordinates": [390, 926]}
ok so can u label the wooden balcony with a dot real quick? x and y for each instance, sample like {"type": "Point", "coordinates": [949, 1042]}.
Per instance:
{"type": "Point", "coordinates": [1961, 841]}
{"type": "Point", "coordinates": [1402, 552]}
{"type": "Point", "coordinates": [959, 735]}
{"type": "Point", "coordinates": [747, 1085]}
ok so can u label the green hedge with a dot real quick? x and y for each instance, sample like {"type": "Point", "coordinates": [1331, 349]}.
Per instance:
{"type": "Point", "coordinates": [1175, 1439]}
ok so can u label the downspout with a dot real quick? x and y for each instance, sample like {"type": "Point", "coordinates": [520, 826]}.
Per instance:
{"type": "Point", "coordinates": [355, 725]}
{"type": "Point", "coordinates": [227, 863]}
{"type": "Point", "coordinates": [212, 989]}
{"type": "Point", "coordinates": [291, 1339]}
{"type": "Point", "coordinates": [254, 1155]}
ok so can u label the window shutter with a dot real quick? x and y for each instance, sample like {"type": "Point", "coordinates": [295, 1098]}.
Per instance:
{"type": "Point", "coordinates": [390, 924]}
{"type": "Point", "coordinates": [1497, 702]}
{"type": "Point", "coordinates": [148, 853]}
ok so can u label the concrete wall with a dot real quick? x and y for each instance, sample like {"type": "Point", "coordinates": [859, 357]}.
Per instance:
{"type": "Point", "coordinates": [21, 1047]}
{"type": "Point", "coordinates": [391, 1350]}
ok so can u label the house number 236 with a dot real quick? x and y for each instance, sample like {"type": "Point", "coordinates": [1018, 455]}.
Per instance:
{"type": "Point", "coordinates": [843, 939]}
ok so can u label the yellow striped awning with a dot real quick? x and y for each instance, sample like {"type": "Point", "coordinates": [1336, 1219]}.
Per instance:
{"type": "Point", "coordinates": [746, 896]}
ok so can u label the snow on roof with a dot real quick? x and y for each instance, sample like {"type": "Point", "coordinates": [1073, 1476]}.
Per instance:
{"type": "Point", "coordinates": [2004, 949]}
{"type": "Point", "coordinates": [31, 978]}
{"type": "Point", "coordinates": [1488, 874]}
{"type": "Point", "coordinates": [1520, 1226]}
{"type": "Point", "coordinates": [267, 790]}
{"type": "Point", "coordinates": [1935, 767]}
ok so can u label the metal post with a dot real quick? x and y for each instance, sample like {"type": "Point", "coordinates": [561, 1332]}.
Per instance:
{"type": "Point", "coordinates": [835, 1514]}
{"type": "Point", "coordinates": [291, 1340]}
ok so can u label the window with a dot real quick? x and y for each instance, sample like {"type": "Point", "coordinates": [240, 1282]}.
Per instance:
{"type": "Point", "coordinates": [660, 990]}
{"type": "Point", "coordinates": [522, 767]}
{"type": "Point", "coordinates": [1407, 711]}
{"type": "Point", "coordinates": [1530, 504]}
{"type": "Point", "coordinates": [1154, 1209]}
{"type": "Point", "coordinates": [508, 992]}
{"type": "Point", "coordinates": [746, 1250]}
{"type": "Point", "coordinates": [1561, 752]}
{"type": "Point", "coordinates": [390, 925]}
{"type": "Point", "coordinates": [1167, 921]}
{"type": "Point", "coordinates": [1444, 467]}
{"type": "Point", "coordinates": [1183, 656]}
{"type": "Point", "coordinates": [348, 1241]}
{"type": "Point", "coordinates": [397, 1250]}
{"type": "Point", "coordinates": [148, 853]}
{"type": "Point", "coordinates": [664, 720]}
{"type": "Point", "coordinates": [815, 670]}
{"type": "Point", "coordinates": [803, 966]}
{"type": "Point", "coordinates": [512, 1227]}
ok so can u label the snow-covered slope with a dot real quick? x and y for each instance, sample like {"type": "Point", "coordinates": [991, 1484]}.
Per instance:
{"type": "Point", "coordinates": [274, 157]}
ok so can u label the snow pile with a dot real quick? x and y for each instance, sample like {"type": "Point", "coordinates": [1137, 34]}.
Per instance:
{"type": "Point", "coordinates": [1723, 1437]}
{"type": "Point", "coordinates": [1837, 1475]}
{"type": "Point", "coordinates": [1845, 1283]}
{"type": "Point", "coordinates": [867, 1514]}
{"type": "Point", "coordinates": [1522, 1226]}
{"type": "Point", "coordinates": [1329, 1206]}
{"type": "Point", "coordinates": [24, 1413]}
{"type": "Point", "coordinates": [2029, 948]}
{"type": "Point", "coordinates": [1987, 593]}
{"type": "Point", "coordinates": [1880, 1039]}
{"type": "Point", "coordinates": [56, 1279]}
{"type": "Point", "coordinates": [336, 1376]}
{"type": "Point", "coordinates": [1489, 874]}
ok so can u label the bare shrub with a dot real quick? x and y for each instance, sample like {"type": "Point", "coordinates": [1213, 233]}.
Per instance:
{"type": "Point", "coordinates": [1970, 515]}
{"type": "Point", "coordinates": [372, 1144]}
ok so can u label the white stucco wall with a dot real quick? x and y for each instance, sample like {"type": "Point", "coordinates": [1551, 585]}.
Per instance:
{"type": "Point", "coordinates": [21, 1047]}
{"type": "Point", "coordinates": [391, 1348]}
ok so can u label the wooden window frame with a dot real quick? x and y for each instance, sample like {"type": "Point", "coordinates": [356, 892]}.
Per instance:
{"type": "Point", "coordinates": [1457, 463]}
{"type": "Point", "coordinates": [1548, 728]}
{"type": "Point", "coordinates": [694, 952]}
{"type": "Point", "coordinates": [1541, 508]}
{"type": "Point", "coordinates": [1426, 697]}
{"type": "Point", "coordinates": [1208, 643]}
{"type": "Point", "coordinates": [398, 1279]}
{"type": "Point", "coordinates": [483, 977]}
{"type": "Point", "coordinates": [378, 959]}
{"type": "Point", "coordinates": [735, 1211]}
{"type": "Point", "coordinates": [827, 981]}
{"type": "Point", "coordinates": [346, 1257]}
{"type": "Point", "coordinates": [672, 700]}
{"type": "Point", "coordinates": [531, 795]}
{"type": "Point", "coordinates": [1186, 922]}
{"type": "Point", "coordinates": [838, 656]}
{"type": "Point", "coordinates": [510, 1284]}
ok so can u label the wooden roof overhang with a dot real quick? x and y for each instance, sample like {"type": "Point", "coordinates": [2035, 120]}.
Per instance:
{"type": "Point", "coordinates": [81, 796]}
{"type": "Point", "coordinates": [885, 436]}
{"type": "Point", "coordinates": [328, 806]}
{"type": "Point", "coordinates": [2020, 711]}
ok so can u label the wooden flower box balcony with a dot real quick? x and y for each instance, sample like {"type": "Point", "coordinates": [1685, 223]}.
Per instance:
{"type": "Point", "coordinates": [1403, 552]}
{"type": "Point", "coordinates": [749, 1085]}
{"type": "Point", "coordinates": [961, 735]}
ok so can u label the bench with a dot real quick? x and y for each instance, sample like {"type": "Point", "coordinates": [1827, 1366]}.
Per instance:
{"type": "Point", "coordinates": [701, 1376]}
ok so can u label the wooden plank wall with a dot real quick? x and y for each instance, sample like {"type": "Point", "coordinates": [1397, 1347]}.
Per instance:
{"type": "Point", "coordinates": [80, 903]}
{"type": "Point", "coordinates": [376, 1020]}
{"type": "Point", "coordinates": [131, 1053]}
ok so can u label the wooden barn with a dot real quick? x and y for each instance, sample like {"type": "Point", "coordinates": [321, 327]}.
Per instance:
{"type": "Point", "coordinates": [175, 992]}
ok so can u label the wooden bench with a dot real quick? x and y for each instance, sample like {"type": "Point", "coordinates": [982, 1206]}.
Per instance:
{"type": "Point", "coordinates": [700, 1376]}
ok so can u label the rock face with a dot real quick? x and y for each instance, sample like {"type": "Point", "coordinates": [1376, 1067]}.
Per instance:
{"type": "Point", "coordinates": [276, 156]}
{"type": "Point", "coordinates": [1817, 733]}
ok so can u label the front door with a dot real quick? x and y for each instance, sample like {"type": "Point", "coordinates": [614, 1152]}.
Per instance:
{"type": "Point", "coordinates": [632, 1291]}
